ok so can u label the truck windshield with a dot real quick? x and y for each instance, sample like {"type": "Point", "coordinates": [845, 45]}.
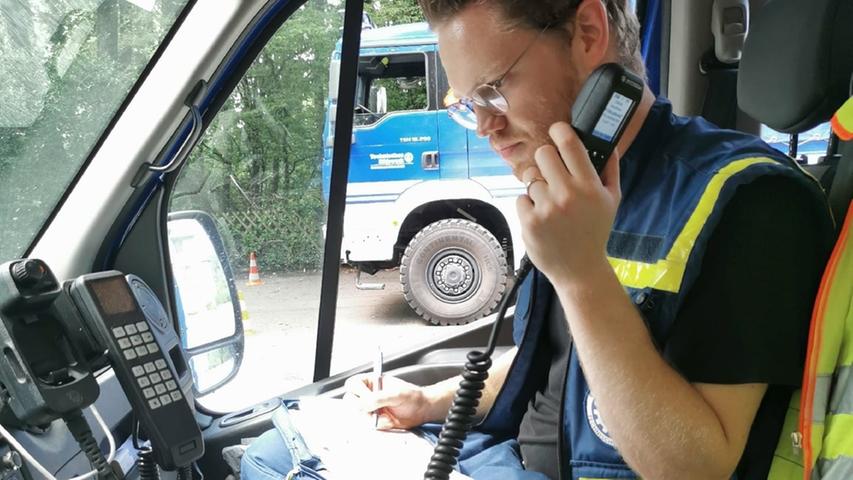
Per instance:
{"type": "Point", "coordinates": [67, 67]}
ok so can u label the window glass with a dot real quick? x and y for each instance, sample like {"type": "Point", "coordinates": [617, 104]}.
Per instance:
{"type": "Point", "coordinates": [262, 171]}
{"type": "Point", "coordinates": [67, 67]}
{"type": "Point", "coordinates": [390, 83]}
{"type": "Point", "coordinates": [396, 191]}
{"type": "Point", "coordinates": [811, 144]}
{"type": "Point", "coordinates": [257, 173]}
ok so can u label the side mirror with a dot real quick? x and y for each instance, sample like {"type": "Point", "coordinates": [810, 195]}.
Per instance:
{"type": "Point", "coordinates": [210, 316]}
{"type": "Point", "coordinates": [382, 101]}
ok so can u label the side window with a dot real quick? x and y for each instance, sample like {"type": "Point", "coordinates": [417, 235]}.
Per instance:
{"type": "Point", "coordinates": [257, 174]}
{"type": "Point", "coordinates": [811, 144]}
{"type": "Point", "coordinates": [388, 84]}
{"type": "Point", "coordinates": [259, 183]}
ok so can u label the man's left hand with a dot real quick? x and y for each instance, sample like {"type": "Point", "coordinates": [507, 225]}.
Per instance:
{"type": "Point", "coordinates": [568, 212]}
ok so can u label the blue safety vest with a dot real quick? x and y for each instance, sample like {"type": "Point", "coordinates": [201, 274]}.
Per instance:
{"type": "Point", "coordinates": [676, 178]}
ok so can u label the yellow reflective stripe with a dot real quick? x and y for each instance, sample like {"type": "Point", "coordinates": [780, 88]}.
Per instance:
{"type": "Point", "coordinates": [817, 441]}
{"type": "Point", "coordinates": [784, 469]}
{"type": "Point", "coordinates": [666, 274]}
{"type": "Point", "coordinates": [842, 121]}
{"type": "Point", "coordinates": [661, 275]}
{"type": "Point", "coordinates": [839, 308]}
{"type": "Point", "coordinates": [833, 352]}
{"type": "Point", "coordinates": [837, 440]}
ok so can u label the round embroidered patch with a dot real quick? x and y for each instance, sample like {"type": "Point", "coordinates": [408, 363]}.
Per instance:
{"type": "Point", "coordinates": [596, 424]}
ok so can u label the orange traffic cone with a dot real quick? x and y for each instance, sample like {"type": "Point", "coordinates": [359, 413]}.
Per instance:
{"type": "Point", "coordinates": [254, 277]}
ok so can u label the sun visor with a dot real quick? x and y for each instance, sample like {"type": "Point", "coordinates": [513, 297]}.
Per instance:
{"type": "Point", "coordinates": [797, 62]}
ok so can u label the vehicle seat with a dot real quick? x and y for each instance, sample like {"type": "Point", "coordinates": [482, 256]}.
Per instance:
{"type": "Point", "coordinates": [795, 73]}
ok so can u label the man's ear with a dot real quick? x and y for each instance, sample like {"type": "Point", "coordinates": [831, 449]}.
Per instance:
{"type": "Point", "coordinates": [591, 35]}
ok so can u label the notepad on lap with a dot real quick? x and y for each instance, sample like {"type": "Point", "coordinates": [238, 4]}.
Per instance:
{"type": "Point", "coordinates": [348, 444]}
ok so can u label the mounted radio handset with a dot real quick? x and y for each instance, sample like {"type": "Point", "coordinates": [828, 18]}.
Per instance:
{"type": "Point", "coordinates": [55, 337]}
{"type": "Point", "coordinates": [149, 365]}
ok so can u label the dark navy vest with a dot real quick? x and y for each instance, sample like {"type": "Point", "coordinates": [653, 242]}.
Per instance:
{"type": "Point", "coordinates": [676, 177]}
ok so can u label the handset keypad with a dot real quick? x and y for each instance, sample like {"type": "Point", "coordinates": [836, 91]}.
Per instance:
{"type": "Point", "coordinates": [153, 376]}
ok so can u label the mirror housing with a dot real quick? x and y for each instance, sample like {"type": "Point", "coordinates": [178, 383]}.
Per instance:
{"type": "Point", "coordinates": [382, 101]}
{"type": "Point", "coordinates": [209, 312]}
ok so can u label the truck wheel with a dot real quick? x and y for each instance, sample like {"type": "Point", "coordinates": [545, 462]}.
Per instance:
{"type": "Point", "coordinates": [453, 271]}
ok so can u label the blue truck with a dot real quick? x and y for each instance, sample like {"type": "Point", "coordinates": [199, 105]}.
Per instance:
{"type": "Point", "coordinates": [428, 196]}
{"type": "Point", "coordinates": [424, 194]}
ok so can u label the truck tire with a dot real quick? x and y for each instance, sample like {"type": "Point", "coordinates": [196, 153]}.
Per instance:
{"type": "Point", "coordinates": [453, 271]}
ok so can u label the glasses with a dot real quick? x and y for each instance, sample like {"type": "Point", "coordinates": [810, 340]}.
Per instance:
{"type": "Point", "coordinates": [486, 96]}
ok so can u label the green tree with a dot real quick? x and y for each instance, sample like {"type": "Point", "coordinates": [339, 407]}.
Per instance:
{"type": "Point", "coordinates": [258, 164]}
{"type": "Point", "coordinates": [394, 12]}
{"type": "Point", "coordinates": [67, 67]}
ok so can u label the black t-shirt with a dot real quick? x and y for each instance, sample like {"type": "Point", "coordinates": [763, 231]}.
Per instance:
{"type": "Point", "coordinates": [537, 434]}
{"type": "Point", "coordinates": [745, 320]}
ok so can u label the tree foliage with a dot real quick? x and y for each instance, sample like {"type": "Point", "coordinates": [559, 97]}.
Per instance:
{"type": "Point", "coordinates": [67, 67]}
{"type": "Point", "coordinates": [257, 168]}
{"type": "Point", "coordinates": [393, 12]}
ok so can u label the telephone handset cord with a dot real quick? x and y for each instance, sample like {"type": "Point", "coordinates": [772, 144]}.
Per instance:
{"type": "Point", "coordinates": [461, 415]}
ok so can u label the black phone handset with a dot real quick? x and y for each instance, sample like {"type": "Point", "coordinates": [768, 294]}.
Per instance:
{"type": "Point", "coordinates": [126, 318]}
{"type": "Point", "coordinates": [602, 110]}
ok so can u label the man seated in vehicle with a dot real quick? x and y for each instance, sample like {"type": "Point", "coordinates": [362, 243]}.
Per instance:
{"type": "Point", "coordinates": [718, 240]}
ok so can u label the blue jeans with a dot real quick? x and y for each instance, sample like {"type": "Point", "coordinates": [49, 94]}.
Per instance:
{"type": "Point", "coordinates": [271, 456]}
{"type": "Point", "coordinates": [280, 453]}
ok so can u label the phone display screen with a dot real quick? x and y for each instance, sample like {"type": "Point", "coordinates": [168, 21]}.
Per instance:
{"type": "Point", "coordinates": [612, 117]}
{"type": "Point", "coordinates": [113, 295]}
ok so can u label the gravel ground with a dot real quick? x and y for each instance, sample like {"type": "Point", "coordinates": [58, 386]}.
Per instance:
{"type": "Point", "coordinates": [281, 332]}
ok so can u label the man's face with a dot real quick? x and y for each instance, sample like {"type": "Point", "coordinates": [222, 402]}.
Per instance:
{"type": "Point", "coordinates": [477, 47]}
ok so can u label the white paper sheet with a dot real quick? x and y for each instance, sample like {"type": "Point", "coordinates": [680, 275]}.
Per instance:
{"type": "Point", "coordinates": [344, 438]}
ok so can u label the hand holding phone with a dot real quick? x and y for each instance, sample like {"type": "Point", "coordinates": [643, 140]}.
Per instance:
{"type": "Point", "coordinates": [569, 206]}
{"type": "Point", "coordinates": [603, 108]}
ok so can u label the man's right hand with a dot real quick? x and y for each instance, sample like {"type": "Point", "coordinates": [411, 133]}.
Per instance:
{"type": "Point", "coordinates": [400, 404]}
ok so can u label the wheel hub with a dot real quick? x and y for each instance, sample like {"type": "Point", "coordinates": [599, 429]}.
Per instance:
{"type": "Point", "coordinates": [454, 275]}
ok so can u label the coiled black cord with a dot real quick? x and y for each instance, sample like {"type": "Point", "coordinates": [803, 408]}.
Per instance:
{"type": "Point", "coordinates": [146, 466]}
{"type": "Point", "coordinates": [461, 415]}
{"type": "Point", "coordinates": [81, 432]}
{"type": "Point", "coordinates": [185, 473]}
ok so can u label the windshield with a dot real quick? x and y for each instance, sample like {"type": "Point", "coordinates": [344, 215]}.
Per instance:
{"type": "Point", "coordinates": [67, 67]}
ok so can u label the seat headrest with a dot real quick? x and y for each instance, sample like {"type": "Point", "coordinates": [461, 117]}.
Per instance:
{"type": "Point", "coordinates": [797, 63]}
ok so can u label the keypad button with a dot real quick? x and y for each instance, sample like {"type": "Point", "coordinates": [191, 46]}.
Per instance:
{"type": "Point", "coordinates": [119, 332]}
{"type": "Point", "coordinates": [160, 388]}
{"type": "Point", "coordinates": [148, 392]}
{"type": "Point", "coordinates": [165, 399]}
{"type": "Point", "coordinates": [136, 340]}
{"type": "Point", "coordinates": [152, 348]}
{"type": "Point", "coordinates": [150, 368]}
{"type": "Point", "coordinates": [160, 363]}
{"type": "Point", "coordinates": [130, 329]}
{"type": "Point", "coordinates": [154, 404]}
{"type": "Point", "coordinates": [176, 395]}
{"type": "Point", "coordinates": [142, 326]}
{"type": "Point", "coordinates": [143, 381]}
{"type": "Point", "coordinates": [155, 378]}
{"type": "Point", "coordinates": [138, 370]}
{"type": "Point", "coordinates": [129, 354]}
{"type": "Point", "coordinates": [147, 337]}
{"type": "Point", "coordinates": [171, 385]}
{"type": "Point", "coordinates": [141, 351]}
{"type": "Point", "coordinates": [165, 374]}
{"type": "Point", "coordinates": [123, 343]}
